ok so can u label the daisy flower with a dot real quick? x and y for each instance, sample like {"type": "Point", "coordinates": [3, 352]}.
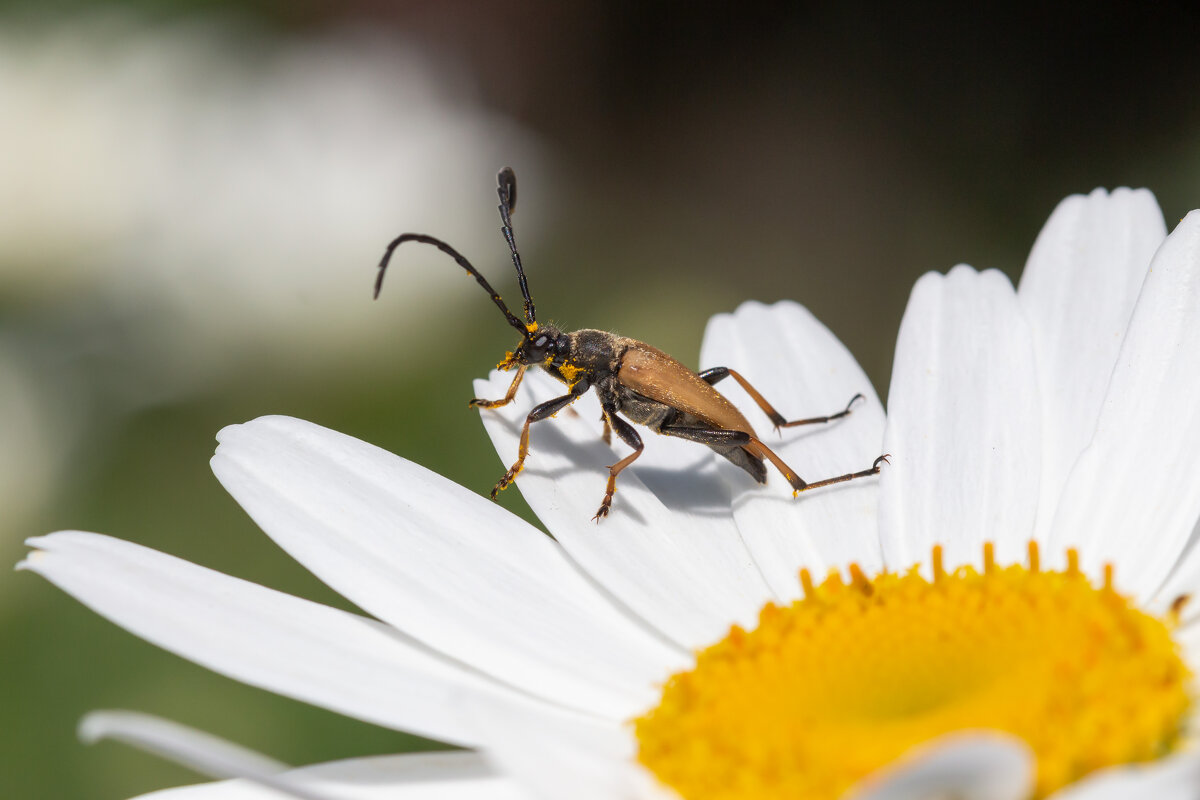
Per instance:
{"type": "Point", "coordinates": [1001, 615]}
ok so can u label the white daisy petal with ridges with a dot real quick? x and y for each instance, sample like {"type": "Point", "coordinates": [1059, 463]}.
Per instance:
{"type": "Point", "coordinates": [1078, 291]}
{"type": "Point", "coordinates": [1133, 497]}
{"type": "Point", "coordinates": [479, 584]}
{"type": "Point", "coordinates": [683, 569]}
{"type": "Point", "coordinates": [802, 369]}
{"type": "Point", "coordinates": [962, 412]}
{"type": "Point", "coordinates": [556, 756]}
{"type": "Point", "coordinates": [297, 648]}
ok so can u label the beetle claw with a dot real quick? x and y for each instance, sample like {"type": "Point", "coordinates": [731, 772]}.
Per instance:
{"type": "Point", "coordinates": [506, 481]}
{"type": "Point", "coordinates": [604, 509]}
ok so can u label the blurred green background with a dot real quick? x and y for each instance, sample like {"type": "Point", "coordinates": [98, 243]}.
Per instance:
{"type": "Point", "coordinates": [193, 197]}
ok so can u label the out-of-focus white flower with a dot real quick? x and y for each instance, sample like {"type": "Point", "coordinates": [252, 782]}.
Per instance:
{"type": "Point", "coordinates": [181, 202]}
{"type": "Point", "coordinates": [242, 186]}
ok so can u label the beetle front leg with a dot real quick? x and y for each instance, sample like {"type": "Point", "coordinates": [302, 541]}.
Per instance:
{"type": "Point", "coordinates": [475, 402]}
{"type": "Point", "coordinates": [541, 412]}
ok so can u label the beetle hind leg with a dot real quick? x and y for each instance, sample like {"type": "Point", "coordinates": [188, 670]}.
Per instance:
{"type": "Point", "coordinates": [712, 437]}
{"type": "Point", "coordinates": [800, 485]}
{"type": "Point", "coordinates": [718, 374]}
{"type": "Point", "coordinates": [874, 469]}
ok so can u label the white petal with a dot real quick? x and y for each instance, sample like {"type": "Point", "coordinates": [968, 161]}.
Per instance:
{"type": "Point", "coordinates": [682, 567]}
{"type": "Point", "coordinates": [423, 776]}
{"type": "Point", "coordinates": [1184, 580]}
{"type": "Point", "coordinates": [962, 425]}
{"type": "Point", "coordinates": [802, 369]}
{"type": "Point", "coordinates": [1174, 778]}
{"type": "Point", "coordinates": [199, 751]}
{"type": "Point", "coordinates": [967, 766]}
{"type": "Point", "coordinates": [553, 756]}
{"type": "Point", "coordinates": [1078, 291]}
{"type": "Point", "coordinates": [1188, 638]}
{"type": "Point", "coordinates": [1133, 497]}
{"type": "Point", "coordinates": [442, 564]}
{"type": "Point", "coordinates": [300, 649]}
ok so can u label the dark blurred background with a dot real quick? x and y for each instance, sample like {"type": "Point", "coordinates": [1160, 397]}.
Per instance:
{"type": "Point", "coordinates": [193, 197]}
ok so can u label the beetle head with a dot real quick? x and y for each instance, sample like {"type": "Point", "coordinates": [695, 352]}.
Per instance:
{"type": "Point", "coordinates": [542, 345]}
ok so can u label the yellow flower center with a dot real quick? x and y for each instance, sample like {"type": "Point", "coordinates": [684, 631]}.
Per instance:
{"type": "Point", "coordinates": [845, 681]}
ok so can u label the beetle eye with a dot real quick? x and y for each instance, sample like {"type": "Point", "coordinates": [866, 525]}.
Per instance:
{"type": "Point", "coordinates": [537, 348]}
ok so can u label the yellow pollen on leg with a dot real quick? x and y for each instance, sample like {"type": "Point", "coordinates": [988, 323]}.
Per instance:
{"type": "Point", "coordinates": [846, 680]}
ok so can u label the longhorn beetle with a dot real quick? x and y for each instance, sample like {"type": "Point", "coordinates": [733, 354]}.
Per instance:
{"type": "Point", "coordinates": [631, 378]}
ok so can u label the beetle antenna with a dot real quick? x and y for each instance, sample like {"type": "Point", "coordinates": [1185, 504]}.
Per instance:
{"type": "Point", "coordinates": [462, 262]}
{"type": "Point", "coordinates": [506, 187]}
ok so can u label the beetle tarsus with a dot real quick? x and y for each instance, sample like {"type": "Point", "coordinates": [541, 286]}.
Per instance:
{"type": "Point", "coordinates": [845, 412]}
{"type": "Point", "coordinates": [508, 478]}
{"type": "Point", "coordinates": [476, 402]}
{"type": "Point", "coordinates": [874, 469]}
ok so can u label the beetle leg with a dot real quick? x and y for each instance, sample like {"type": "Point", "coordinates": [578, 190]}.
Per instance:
{"type": "Point", "coordinates": [717, 374]}
{"type": "Point", "coordinates": [630, 437]}
{"type": "Point", "coordinates": [845, 412]}
{"type": "Point", "coordinates": [742, 439]}
{"type": "Point", "coordinates": [800, 485]}
{"type": "Point", "coordinates": [475, 402]}
{"type": "Point", "coordinates": [866, 473]}
{"type": "Point", "coordinates": [719, 436]}
{"type": "Point", "coordinates": [540, 412]}
{"type": "Point", "coordinates": [607, 435]}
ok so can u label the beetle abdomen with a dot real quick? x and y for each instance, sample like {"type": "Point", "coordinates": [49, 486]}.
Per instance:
{"type": "Point", "coordinates": [742, 458]}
